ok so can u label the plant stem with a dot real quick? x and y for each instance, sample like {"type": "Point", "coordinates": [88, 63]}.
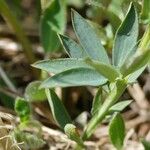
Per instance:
{"type": "Point", "coordinates": [14, 24]}
{"type": "Point", "coordinates": [145, 42]}
{"type": "Point", "coordinates": [117, 91]}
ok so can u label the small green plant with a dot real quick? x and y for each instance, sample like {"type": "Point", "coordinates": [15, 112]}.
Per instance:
{"type": "Point", "coordinates": [89, 65]}
{"type": "Point", "coordinates": [29, 131]}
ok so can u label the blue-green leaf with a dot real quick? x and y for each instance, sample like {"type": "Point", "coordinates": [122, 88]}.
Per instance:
{"type": "Point", "coordinates": [126, 37]}
{"type": "Point", "coordinates": [106, 70]}
{"type": "Point", "coordinates": [74, 77]}
{"type": "Point", "coordinates": [117, 131]}
{"type": "Point", "coordinates": [73, 49]}
{"type": "Point", "coordinates": [59, 65]}
{"type": "Point", "coordinates": [88, 38]}
{"type": "Point", "coordinates": [53, 21]}
{"type": "Point", "coordinates": [59, 112]}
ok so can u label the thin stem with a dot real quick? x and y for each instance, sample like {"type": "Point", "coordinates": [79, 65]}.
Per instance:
{"type": "Point", "coordinates": [114, 95]}
{"type": "Point", "coordinates": [15, 25]}
{"type": "Point", "coordinates": [6, 80]}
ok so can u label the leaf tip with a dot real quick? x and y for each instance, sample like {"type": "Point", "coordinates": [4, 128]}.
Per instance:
{"type": "Point", "coordinates": [74, 13]}
{"type": "Point", "coordinates": [33, 65]}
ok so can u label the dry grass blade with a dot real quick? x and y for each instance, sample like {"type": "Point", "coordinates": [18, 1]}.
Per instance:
{"type": "Point", "coordinates": [5, 140]}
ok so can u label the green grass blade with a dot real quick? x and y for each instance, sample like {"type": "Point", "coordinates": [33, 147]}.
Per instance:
{"type": "Point", "coordinates": [58, 110]}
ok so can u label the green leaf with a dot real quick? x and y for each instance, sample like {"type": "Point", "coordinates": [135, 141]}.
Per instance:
{"type": "Point", "coordinates": [144, 44]}
{"type": "Point", "coordinates": [133, 76]}
{"type": "Point", "coordinates": [58, 110]}
{"type": "Point", "coordinates": [22, 108]}
{"type": "Point", "coordinates": [88, 38]}
{"type": "Point", "coordinates": [33, 93]}
{"type": "Point", "coordinates": [53, 21]}
{"type": "Point", "coordinates": [117, 131]}
{"type": "Point", "coordinates": [146, 144]}
{"type": "Point", "coordinates": [97, 102]}
{"type": "Point", "coordinates": [138, 61]}
{"type": "Point", "coordinates": [145, 15]}
{"type": "Point", "coordinates": [118, 107]}
{"type": "Point", "coordinates": [126, 37]}
{"type": "Point", "coordinates": [59, 65]}
{"type": "Point", "coordinates": [104, 69]}
{"type": "Point", "coordinates": [74, 77]}
{"type": "Point", "coordinates": [73, 49]}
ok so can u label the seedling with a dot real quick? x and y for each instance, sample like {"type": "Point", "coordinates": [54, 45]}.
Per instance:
{"type": "Point", "coordinates": [89, 65]}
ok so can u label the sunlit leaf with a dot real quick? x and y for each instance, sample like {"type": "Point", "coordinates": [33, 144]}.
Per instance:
{"type": "Point", "coordinates": [33, 93]}
{"type": "Point", "coordinates": [22, 108]}
{"type": "Point", "coordinates": [118, 107]}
